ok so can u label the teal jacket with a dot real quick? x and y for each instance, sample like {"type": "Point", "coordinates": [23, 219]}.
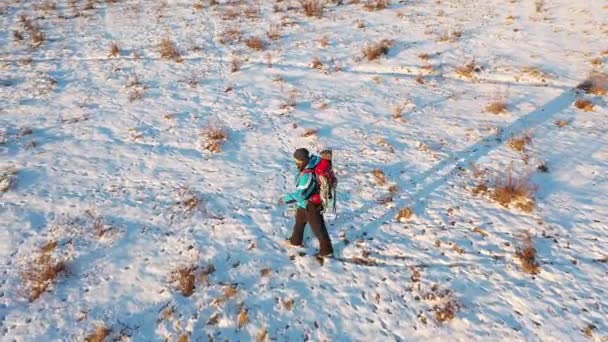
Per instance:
{"type": "Point", "coordinates": [306, 185]}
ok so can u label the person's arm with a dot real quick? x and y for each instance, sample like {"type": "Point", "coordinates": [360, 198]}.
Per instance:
{"type": "Point", "coordinates": [303, 188]}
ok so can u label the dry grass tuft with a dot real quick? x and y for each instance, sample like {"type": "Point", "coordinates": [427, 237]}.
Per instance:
{"type": "Point", "coordinates": [385, 143]}
{"type": "Point", "coordinates": [377, 50]}
{"type": "Point", "coordinates": [114, 50]}
{"type": "Point", "coordinates": [43, 271]}
{"type": "Point", "coordinates": [188, 203]}
{"type": "Point", "coordinates": [588, 331]}
{"type": "Point", "coordinates": [100, 334]}
{"type": "Point", "coordinates": [404, 214]}
{"type": "Point", "coordinates": [252, 12]}
{"type": "Point", "coordinates": [309, 133]}
{"type": "Point", "coordinates": [230, 291]}
{"type": "Point", "coordinates": [185, 279]}
{"type": "Point", "coordinates": [33, 29]}
{"type": "Point", "coordinates": [497, 107]}
{"type": "Point", "coordinates": [596, 84]}
{"type": "Point", "coordinates": [214, 319]}
{"type": "Point", "coordinates": [99, 224]}
{"type": "Point", "coordinates": [424, 56]}
{"type": "Point", "coordinates": [288, 304]}
{"type": "Point", "coordinates": [262, 335]}
{"type": "Point", "coordinates": [8, 179]}
{"type": "Point", "coordinates": [230, 13]}
{"type": "Point", "coordinates": [290, 103]}
{"type": "Point", "coordinates": [313, 8]}
{"type": "Point", "coordinates": [585, 105]}
{"type": "Point", "coordinates": [255, 43]}
{"type": "Point", "coordinates": [243, 318]}
{"type": "Point", "coordinates": [168, 50]}
{"type": "Point", "coordinates": [597, 61]}
{"type": "Point", "coordinates": [561, 123]}
{"type": "Point", "coordinates": [449, 36]}
{"type": "Point", "coordinates": [527, 255]}
{"type": "Point", "coordinates": [376, 5]}
{"type": "Point", "coordinates": [230, 36]}
{"type": "Point", "coordinates": [324, 41]}
{"type": "Point", "coordinates": [468, 70]}
{"type": "Point", "coordinates": [379, 176]}
{"type": "Point", "coordinates": [519, 144]}
{"type": "Point", "coordinates": [316, 63]}
{"type": "Point", "coordinates": [37, 38]}
{"type": "Point", "coordinates": [514, 191]}
{"type": "Point", "coordinates": [213, 138]}
{"type": "Point", "coordinates": [446, 311]}
{"type": "Point", "coordinates": [543, 167]}
{"type": "Point", "coordinates": [274, 32]}
{"type": "Point", "coordinates": [398, 112]}
{"type": "Point", "coordinates": [18, 35]}
{"type": "Point", "coordinates": [235, 64]}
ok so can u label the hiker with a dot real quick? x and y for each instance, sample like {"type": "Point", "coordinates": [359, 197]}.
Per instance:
{"type": "Point", "coordinates": [309, 203]}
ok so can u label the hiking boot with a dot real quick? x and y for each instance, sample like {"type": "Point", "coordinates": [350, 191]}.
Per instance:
{"type": "Point", "coordinates": [287, 243]}
{"type": "Point", "coordinates": [325, 255]}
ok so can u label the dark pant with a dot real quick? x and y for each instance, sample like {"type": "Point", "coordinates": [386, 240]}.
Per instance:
{"type": "Point", "coordinates": [311, 215]}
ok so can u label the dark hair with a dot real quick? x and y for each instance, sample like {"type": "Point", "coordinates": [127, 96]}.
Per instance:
{"type": "Point", "coordinates": [301, 154]}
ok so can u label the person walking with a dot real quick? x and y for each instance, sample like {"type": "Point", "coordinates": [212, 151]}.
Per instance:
{"type": "Point", "coordinates": [309, 204]}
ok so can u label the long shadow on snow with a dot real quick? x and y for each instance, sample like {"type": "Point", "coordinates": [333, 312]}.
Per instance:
{"type": "Point", "coordinates": [428, 182]}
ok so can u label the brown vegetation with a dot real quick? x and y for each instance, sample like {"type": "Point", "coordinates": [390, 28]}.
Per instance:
{"type": "Point", "coordinates": [596, 84]}
{"type": "Point", "coordinates": [467, 70]}
{"type": "Point", "coordinates": [243, 318]}
{"type": "Point", "coordinates": [519, 144]}
{"type": "Point", "coordinates": [449, 36]}
{"type": "Point", "coordinates": [114, 50]}
{"type": "Point", "coordinates": [290, 103]}
{"type": "Point", "coordinates": [230, 36]}
{"type": "Point", "coordinates": [255, 43]}
{"type": "Point", "coordinates": [497, 107]}
{"type": "Point", "coordinates": [404, 214]}
{"type": "Point", "coordinates": [313, 8]}
{"type": "Point", "coordinates": [168, 50]}
{"type": "Point", "coordinates": [99, 335]}
{"type": "Point", "coordinates": [597, 61]}
{"type": "Point", "coordinates": [235, 64]}
{"type": "Point", "coordinates": [43, 271]}
{"type": "Point", "coordinates": [526, 254]}
{"type": "Point", "coordinates": [185, 279]}
{"type": "Point", "coordinates": [213, 138]}
{"type": "Point", "coordinates": [379, 176]}
{"type": "Point", "coordinates": [376, 5]}
{"type": "Point", "coordinates": [376, 50]}
{"type": "Point", "coordinates": [316, 63]}
{"type": "Point", "coordinates": [8, 179]}
{"type": "Point", "coordinates": [514, 191]}
{"type": "Point", "coordinates": [309, 133]}
{"type": "Point", "coordinates": [274, 32]}
{"type": "Point", "coordinates": [585, 105]}
{"type": "Point", "coordinates": [445, 311]}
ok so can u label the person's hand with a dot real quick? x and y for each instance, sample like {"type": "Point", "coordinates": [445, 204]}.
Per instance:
{"type": "Point", "coordinates": [281, 202]}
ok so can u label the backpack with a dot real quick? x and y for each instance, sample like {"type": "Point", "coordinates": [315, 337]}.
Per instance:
{"type": "Point", "coordinates": [326, 182]}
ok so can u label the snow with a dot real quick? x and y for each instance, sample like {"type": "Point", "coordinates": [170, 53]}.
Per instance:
{"type": "Point", "coordinates": [114, 163]}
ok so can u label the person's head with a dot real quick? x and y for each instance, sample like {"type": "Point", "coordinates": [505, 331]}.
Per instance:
{"type": "Point", "coordinates": [326, 154]}
{"type": "Point", "coordinates": [302, 158]}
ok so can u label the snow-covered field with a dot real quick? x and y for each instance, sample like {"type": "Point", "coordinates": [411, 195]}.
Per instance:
{"type": "Point", "coordinates": [105, 155]}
